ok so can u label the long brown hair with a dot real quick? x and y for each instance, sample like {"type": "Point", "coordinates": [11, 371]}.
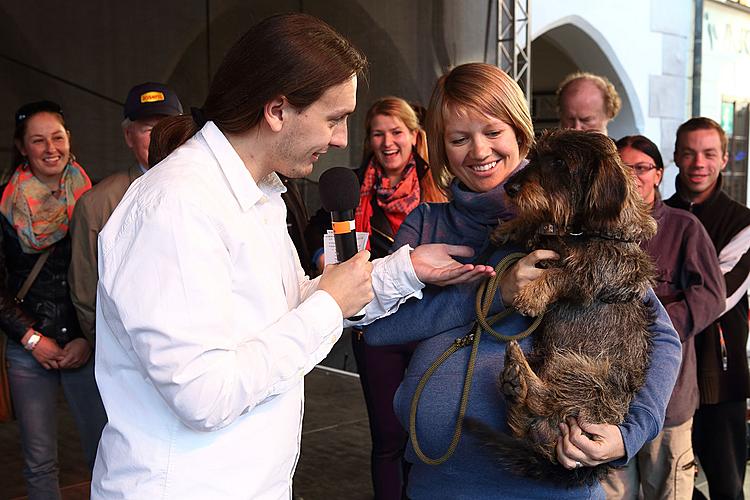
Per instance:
{"type": "Point", "coordinates": [399, 108]}
{"type": "Point", "coordinates": [292, 55]}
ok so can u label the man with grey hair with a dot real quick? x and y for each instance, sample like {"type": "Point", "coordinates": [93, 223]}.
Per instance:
{"type": "Point", "coordinates": [145, 105]}
{"type": "Point", "coordinates": [587, 102]}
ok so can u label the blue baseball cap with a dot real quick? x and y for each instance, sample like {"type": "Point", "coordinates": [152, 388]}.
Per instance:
{"type": "Point", "coordinates": [151, 99]}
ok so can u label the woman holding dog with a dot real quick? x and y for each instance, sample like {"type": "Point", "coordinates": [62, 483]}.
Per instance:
{"type": "Point", "coordinates": [480, 132]}
{"type": "Point", "coordinates": [690, 284]}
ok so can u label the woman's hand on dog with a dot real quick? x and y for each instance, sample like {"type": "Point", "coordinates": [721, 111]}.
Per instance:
{"type": "Point", "coordinates": [588, 444]}
{"type": "Point", "coordinates": [522, 273]}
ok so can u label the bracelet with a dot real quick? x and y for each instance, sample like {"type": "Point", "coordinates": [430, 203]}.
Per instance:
{"type": "Point", "coordinates": [33, 341]}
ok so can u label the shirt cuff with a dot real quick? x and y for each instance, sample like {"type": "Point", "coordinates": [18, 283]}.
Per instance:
{"type": "Point", "coordinates": [400, 270]}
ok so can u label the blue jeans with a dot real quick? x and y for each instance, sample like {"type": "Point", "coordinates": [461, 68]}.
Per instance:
{"type": "Point", "coordinates": [34, 393]}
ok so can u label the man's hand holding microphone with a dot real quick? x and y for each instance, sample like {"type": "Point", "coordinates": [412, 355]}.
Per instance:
{"type": "Point", "coordinates": [349, 282]}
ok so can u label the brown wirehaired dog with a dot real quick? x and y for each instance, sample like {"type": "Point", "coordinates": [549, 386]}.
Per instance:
{"type": "Point", "coordinates": [592, 350]}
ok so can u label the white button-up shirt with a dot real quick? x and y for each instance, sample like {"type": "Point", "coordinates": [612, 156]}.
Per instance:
{"type": "Point", "coordinates": [206, 326]}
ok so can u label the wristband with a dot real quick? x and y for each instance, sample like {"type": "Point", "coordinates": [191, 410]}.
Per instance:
{"type": "Point", "coordinates": [33, 341]}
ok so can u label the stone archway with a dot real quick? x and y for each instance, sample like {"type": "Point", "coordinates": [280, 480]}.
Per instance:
{"type": "Point", "coordinates": [572, 44]}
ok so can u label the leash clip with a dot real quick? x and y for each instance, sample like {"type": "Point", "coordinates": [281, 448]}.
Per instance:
{"type": "Point", "coordinates": [464, 341]}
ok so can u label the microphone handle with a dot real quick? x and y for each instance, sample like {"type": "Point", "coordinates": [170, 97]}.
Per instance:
{"type": "Point", "coordinates": [345, 237]}
{"type": "Point", "coordinates": [344, 234]}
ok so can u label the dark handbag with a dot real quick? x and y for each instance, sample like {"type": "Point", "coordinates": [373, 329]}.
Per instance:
{"type": "Point", "coordinates": [6, 404]}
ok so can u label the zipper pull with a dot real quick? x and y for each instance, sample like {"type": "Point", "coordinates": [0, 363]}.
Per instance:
{"type": "Point", "coordinates": [723, 344]}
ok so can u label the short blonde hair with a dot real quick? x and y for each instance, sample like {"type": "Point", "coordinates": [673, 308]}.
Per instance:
{"type": "Point", "coordinates": [485, 89]}
{"type": "Point", "coordinates": [612, 102]}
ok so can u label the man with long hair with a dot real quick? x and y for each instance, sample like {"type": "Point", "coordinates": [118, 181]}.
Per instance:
{"type": "Point", "coordinates": [206, 324]}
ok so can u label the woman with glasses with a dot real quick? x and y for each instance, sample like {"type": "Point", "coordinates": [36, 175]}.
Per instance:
{"type": "Point", "coordinates": [690, 285]}
{"type": "Point", "coordinates": [45, 345]}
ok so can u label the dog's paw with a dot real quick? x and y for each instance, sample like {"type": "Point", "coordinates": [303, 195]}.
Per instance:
{"type": "Point", "coordinates": [529, 304]}
{"type": "Point", "coordinates": [512, 384]}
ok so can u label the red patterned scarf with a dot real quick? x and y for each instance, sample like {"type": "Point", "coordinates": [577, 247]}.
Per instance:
{"type": "Point", "coordinates": [396, 201]}
{"type": "Point", "coordinates": [39, 216]}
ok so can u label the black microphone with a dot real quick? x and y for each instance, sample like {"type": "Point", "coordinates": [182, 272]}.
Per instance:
{"type": "Point", "coordinates": [339, 194]}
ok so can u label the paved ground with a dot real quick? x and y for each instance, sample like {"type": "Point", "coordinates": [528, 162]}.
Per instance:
{"type": "Point", "coordinates": [334, 463]}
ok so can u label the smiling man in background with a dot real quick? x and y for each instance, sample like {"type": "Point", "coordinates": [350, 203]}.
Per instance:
{"type": "Point", "coordinates": [719, 425]}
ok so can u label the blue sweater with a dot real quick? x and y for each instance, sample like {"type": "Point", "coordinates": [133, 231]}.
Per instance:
{"type": "Point", "coordinates": [441, 317]}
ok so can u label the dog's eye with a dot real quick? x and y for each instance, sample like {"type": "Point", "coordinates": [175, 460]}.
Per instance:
{"type": "Point", "coordinates": [558, 163]}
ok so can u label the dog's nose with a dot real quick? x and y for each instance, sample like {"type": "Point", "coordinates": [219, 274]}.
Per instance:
{"type": "Point", "coordinates": [512, 188]}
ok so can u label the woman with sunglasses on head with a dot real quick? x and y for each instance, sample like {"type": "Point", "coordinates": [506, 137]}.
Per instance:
{"type": "Point", "coordinates": [45, 345]}
{"type": "Point", "coordinates": [479, 132]}
{"type": "Point", "coordinates": [690, 284]}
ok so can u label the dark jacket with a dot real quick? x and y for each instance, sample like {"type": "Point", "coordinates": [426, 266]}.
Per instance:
{"type": "Point", "coordinates": [728, 224]}
{"type": "Point", "coordinates": [47, 306]}
{"type": "Point", "coordinates": [690, 285]}
{"type": "Point", "coordinates": [296, 221]}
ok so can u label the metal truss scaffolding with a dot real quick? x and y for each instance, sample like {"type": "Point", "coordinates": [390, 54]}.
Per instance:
{"type": "Point", "coordinates": [514, 42]}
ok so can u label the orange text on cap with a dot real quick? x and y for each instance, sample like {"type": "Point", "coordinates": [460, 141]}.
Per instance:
{"type": "Point", "coordinates": [152, 96]}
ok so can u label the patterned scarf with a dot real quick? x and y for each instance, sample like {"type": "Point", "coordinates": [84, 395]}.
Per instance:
{"type": "Point", "coordinates": [39, 217]}
{"type": "Point", "coordinates": [396, 201]}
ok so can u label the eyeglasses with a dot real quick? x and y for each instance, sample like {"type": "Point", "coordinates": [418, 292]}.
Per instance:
{"type": "Point", "coordinates": [640, 169]}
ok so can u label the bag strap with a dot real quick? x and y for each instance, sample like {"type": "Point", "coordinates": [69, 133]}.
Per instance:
{"type": "Point", "coordinates": [379, 219]}
{"type": "Point", "coordinates": [33, 275]}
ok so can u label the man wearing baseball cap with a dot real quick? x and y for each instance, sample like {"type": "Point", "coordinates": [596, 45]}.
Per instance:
{"type": "Point", "coordinates": [145, 105]}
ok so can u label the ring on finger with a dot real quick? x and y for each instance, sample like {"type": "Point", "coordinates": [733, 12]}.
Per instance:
{"type": "Point", "coordinates": [577, 465]}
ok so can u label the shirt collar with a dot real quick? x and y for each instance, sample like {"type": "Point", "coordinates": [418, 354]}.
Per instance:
{"type": "Point", "coordinates": [246, 191]}
{"type": "Point", "coordinates": [684, 197]}
{"type": "Point", "coordinates": [657, 210]}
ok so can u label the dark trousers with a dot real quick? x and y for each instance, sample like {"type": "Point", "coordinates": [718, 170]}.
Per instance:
{"type": "Point", "coordinates": [719, 441]}
{"type": "Point", "coordinates": [381, 370]}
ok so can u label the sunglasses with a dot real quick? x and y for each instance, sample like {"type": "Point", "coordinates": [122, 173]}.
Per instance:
{"type": "Point", "coordinates": [33, 108]}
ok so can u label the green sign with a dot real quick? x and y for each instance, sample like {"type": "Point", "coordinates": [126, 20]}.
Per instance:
{"type": "Point", "coordinates": [727, 117]}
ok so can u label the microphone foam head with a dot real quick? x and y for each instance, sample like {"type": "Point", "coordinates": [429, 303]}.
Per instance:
{"type": "Point", "coordinates": [339, 189]}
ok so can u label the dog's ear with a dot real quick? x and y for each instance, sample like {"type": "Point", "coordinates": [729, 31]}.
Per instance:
{"type": "Point", "coordinates": [608, 191]}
